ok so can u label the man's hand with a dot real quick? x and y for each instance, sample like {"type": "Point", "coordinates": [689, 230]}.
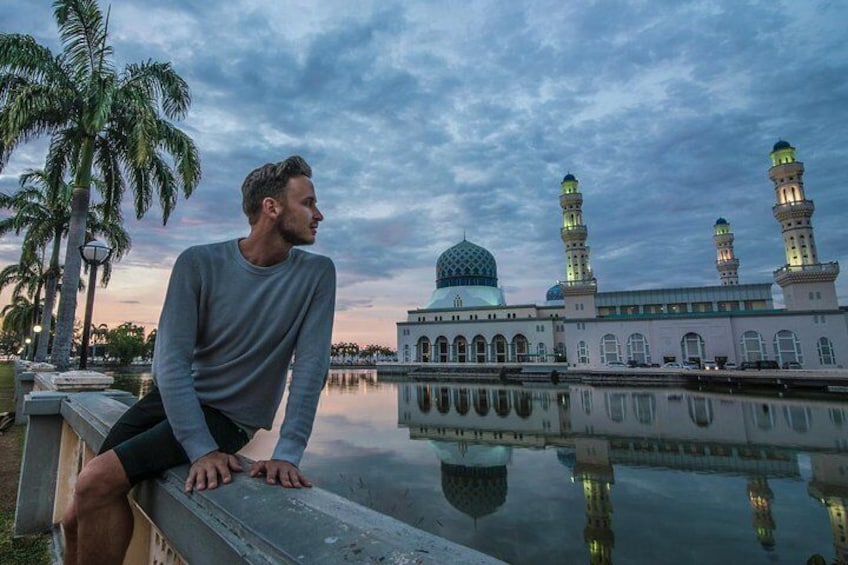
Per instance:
{"type": "Point", "coordinates": [205, 470]}
{"type": "Point", "coordinates": [283, 472]}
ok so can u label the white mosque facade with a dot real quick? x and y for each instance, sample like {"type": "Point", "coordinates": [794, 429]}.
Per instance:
{"type": "Point", "coordinates": [467, 319]}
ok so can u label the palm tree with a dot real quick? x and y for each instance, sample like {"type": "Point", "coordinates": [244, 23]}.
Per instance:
{"type": "Point", "coordinates": [42, 209]}
{"type": "Point", "coordinates": [18, 316]}
{"type": "Point", "coordinates": [97, 119]}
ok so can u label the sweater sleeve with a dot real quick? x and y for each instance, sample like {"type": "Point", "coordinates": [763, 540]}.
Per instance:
{"type": "Point", "coordinates": [175, 342]}
{"type": "Point", "coordinates": [312, 361]}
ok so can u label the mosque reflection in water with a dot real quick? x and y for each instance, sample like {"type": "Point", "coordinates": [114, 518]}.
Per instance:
{"type": "Point", "coordinates": [474, 427]}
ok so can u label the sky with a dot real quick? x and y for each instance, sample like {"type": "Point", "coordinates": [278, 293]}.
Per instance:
{"type": "Point", "coordinates": [427, 122]}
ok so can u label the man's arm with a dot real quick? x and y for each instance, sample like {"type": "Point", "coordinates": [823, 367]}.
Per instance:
{"type": "Point", "coordinates": [312, 361]}
{"type": "Point", "coordinates": [175, 343]}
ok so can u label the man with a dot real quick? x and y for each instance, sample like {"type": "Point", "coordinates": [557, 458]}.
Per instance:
{"type": "Point", "coordinates": [234, 315]}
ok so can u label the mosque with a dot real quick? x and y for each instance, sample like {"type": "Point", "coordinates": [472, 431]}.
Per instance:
{"type": "Point", "coordinates": [467, 319]}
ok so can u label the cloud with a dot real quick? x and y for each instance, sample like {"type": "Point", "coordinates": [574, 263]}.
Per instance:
{"type": "Point", "coordinates": [424, 122]}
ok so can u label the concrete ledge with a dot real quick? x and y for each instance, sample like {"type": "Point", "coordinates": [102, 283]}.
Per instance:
{"type": "Point", "coordinates": [73, 381]}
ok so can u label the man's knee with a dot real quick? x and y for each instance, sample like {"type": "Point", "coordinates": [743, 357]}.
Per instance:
{"type": "Point", "coordinates": [102, 480]}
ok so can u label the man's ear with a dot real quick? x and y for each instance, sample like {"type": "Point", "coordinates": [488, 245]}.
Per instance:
{"type": "Point", "coordinates": [270, 207]}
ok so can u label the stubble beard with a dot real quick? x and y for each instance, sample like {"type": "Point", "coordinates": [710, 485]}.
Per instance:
{"type": "Point", "coordinates": [293, 237]}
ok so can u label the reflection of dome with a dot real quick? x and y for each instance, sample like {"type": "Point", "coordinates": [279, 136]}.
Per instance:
{"type": "Point", "coordinates": [567, 457]}
{"type": "Point", "coordinates": [554, 293]}
{"type": "Point", "coordinates": [721, 221]}
{"type": "Point", "coordinates": [466, 264]}
{"type": "Point", "coordinates": [781, 145]}
{"type": "Point", "coordinates": [474, 491]}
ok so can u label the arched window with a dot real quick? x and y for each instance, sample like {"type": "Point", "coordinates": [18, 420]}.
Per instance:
{"type": "Point", "coordinates": [482, 402]}
{"type": "Point", "coordinates": [799, 418]}
{"type": "Point", "coordinates": [425, 398]}
{"type": "Point", "coordinates": [457, 301]}
{"type": "Point", "coordinates": [787, 347]}
{"type": "Point", "coordinates": [479, 349]}
{"type": "Point", "coordinates": [700, 411]}
{"type": "Point", "coordinates": [692, 347]}
{"type": "Point", "coordinates": [441, 349]}
{"type": "Point", "coordinates": [460, 346]}
{"type": "Point", "coordinates": [637, 349]}
{"type": "Point", "coordinates": [423, 350]}
{"type": "Point", "coordinates": [461, 400]}
{"type": "Point", "coordinates": [519, 345]}
{"type": "Point", "coordinates": [825, 349]}
{"type": "Point", "coordinates": [406, 353]}
{"type": "Point", "coordinates": [582, 353]}
{"type": "Point", "coordinates": [541, 352]}
{"type": "Point", "coordinates": [616, 406]}
{"type": "Point", "coordinates": [443, 399]}
{"type": "Point", "coordinates": [586, 401]}
{"type": "Point", "coordinates": [523, 402]}
{"type": "Point", "coordinates": [763, 415]}
{"type": "Point", "coordinates": [499, 343]}
{"type": "Point", "coordinates": [753, 348]}
{"type": "Point", "coordinates": [502, 403]}
{"type": "Point", "coordinates": [644, 407]}
{"type": "Point", "coordinates": [609, 349]}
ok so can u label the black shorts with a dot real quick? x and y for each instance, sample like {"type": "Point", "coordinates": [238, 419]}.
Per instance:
{"type": "Point", "coordinates": [145, 444]}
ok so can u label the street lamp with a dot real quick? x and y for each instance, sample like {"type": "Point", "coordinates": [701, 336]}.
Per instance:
{"type": "Point", "coordinates": [37, 330]}
{"type": "Point", "coordinates": [94, 253]}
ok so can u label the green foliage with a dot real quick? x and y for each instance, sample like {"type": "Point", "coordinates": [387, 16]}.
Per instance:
{"type": "Point", "coordinates": [125, 343]}
{"type": "Point", "coordinates": [99, 120]}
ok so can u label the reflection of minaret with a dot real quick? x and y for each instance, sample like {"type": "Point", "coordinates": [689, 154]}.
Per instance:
{"type": "Point", "coordinates": [830, 486]}
{"type": "Point", "coordinates": [726, 263]}
{"type": "Point", "coordinates": [760, 497]}
{"type": "Point", "coordinates": [806, 283]}
{"type": "Point", "coordinates": [580, 282]}
{"type": "Point", "coordinates": [592, 467]}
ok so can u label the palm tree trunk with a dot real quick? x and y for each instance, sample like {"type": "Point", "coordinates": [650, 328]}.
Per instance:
{"type": "Point", "coordinates": [60, 356]}
{"type": "Point", "coordinates": [49, 298]}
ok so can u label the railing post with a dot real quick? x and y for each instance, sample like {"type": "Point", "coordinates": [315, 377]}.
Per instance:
{"type": "Point", "coordinates": [37, 486]}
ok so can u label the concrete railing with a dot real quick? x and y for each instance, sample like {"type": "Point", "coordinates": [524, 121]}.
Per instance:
{"type": "Point", "coordinates": [243, 522]}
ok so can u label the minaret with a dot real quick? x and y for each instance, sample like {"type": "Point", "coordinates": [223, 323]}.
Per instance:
{"type": "Point", "coordinates": [594, 470]}
{"type": "Point", "coordinates": [807, 284]}
{"type": "Point", "coordinates": [579, 287]}
{"type": "Point", "coordinates": [760, 496]}
{"type": "Point", "coordinates": [726, 263]}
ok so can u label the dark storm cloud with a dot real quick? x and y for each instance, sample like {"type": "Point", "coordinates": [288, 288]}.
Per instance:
{"type": "Point", "coordinates": [427, 121]}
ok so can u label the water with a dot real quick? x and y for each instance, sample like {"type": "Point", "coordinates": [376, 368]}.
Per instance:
{"type": "Point", "coordinates": [576, 474]}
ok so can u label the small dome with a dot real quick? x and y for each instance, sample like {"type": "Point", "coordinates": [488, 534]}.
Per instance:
{"type": "Point", "coordinates": [466, 264]}
{"type": "Point", "coordinates": [781, 145]}
{"type": "Point", "coordinates": [721, 221]}
{"type": "Point", "coordinates": [569, 177]}
{"type": "Point", "coordinates": [554, 293]}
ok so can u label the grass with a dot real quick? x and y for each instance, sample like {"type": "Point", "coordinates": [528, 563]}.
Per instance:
{"type": "Point", "coordinates": [29, 550]}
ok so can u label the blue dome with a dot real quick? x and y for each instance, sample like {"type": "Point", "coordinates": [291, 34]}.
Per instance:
{"type": "Point", "coordinates": [721, 221]}
{"type": "Point", "coordinates": [568, 177]}
{"type": "Point", "coordinates": [781, 145]}
{"type": "Point", "coordinates": [466, 264]}
{"type": "Point", "coordinates": [554, 293]}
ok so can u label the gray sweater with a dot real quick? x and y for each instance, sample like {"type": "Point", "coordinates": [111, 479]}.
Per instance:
{"type": "Point", "coordinates": [226, 336]}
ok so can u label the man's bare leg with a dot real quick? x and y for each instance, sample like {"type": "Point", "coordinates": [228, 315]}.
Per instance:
{"type": "Point", "coordinates": [69, 529]}
{"type": "Point", "coordinates": [103, 517]}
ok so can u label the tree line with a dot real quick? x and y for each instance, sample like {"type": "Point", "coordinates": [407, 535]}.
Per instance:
{"type": "Point", "coordinates": [108, 130]}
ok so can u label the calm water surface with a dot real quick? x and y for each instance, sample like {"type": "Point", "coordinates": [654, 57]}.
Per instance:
{"type": "Point", "coordinates": [577, 474]}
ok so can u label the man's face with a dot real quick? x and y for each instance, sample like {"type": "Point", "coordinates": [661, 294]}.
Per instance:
{"type": "Point", "coordinates": [298, 219]}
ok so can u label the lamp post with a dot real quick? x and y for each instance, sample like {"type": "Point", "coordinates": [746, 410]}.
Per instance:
{"type": "Point", "coordinates": [37, 330]}
{"type": "Point", "coordinates": [94, 253]}
{"type": "Point", "coordinates": [28, 342]}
